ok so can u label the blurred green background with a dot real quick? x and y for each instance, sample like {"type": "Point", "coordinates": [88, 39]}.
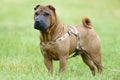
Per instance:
{"type": "Point", "coordinates": [20, 57]}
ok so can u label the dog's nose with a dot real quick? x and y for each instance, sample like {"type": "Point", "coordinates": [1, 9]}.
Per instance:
{"type": "Point", "coordinates": [38, 18]}
{"type": "Point", "coordinates": [37, 21]}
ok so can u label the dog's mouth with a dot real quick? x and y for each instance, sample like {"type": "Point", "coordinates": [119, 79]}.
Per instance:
{"type": "Point", "coordinates": [40, 24]}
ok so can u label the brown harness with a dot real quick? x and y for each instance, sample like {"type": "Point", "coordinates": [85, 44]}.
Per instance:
{"type": "Point", "coordinates": [71, 30]}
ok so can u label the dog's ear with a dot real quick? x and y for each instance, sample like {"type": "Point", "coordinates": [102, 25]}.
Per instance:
{"type": "Point", "coordinates": [36, 7]}
{"type": "Point", "coordinates": [51, 7]}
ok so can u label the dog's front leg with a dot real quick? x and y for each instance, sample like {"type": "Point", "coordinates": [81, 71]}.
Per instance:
{"type": "Point", "coordinates": [63, 61]}
{"type": "Point", "coordinates": [48, 63]}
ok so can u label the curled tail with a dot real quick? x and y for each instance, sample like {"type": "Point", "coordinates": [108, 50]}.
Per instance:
{"type": "Point", "coordinates": [86, 22]}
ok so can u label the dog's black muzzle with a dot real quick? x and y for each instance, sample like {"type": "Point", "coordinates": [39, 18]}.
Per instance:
{"type": "Point", "coordinates": [40, 24]}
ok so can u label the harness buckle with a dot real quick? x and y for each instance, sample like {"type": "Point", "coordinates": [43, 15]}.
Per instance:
{"type": "Point", "coordinates": [69, 32]}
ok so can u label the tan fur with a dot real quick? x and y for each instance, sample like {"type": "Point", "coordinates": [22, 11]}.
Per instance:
{"type": "Point", "coordinates": [62, 50]}
{"type": "Point", "coordinates": [86, 22]}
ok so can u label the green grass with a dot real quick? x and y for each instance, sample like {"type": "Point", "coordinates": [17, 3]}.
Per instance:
{"type": "Point", "coordinates": [20, 57]}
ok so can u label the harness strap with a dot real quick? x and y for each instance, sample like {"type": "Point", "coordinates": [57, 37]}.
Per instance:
{"type": "Point", "coordinates": [77, 34]}
{"type": "Point", "coordinates": [58, 40]}
{"type": "Point", "coordinates": [79, 50]}
{"type": "Point", "coordinates": [64, 36]}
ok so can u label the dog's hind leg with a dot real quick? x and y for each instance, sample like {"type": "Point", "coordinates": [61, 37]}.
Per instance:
{"type": "Point", "coordinates": [97, 62]}
{"type": "Point", "coordinates": [99, 67]}
{"type": "Point", "coordinates": [89, 62]}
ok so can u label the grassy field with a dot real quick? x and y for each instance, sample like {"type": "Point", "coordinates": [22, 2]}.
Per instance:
{"type": "Point", "coordinates": [20, 57]}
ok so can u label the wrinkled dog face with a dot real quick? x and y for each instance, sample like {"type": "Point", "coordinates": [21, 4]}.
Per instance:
{"type": "Point", "coordinates": [43, 16]}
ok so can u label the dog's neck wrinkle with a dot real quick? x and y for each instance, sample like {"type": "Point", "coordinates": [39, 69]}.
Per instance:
{"type": "Point", "coordinates": [57, 29]}
{"type": "Point", "coordinates": [43, 36]}
{"type": "Point", "coordinates": [53, 34]}
{"type": "Point", "coordinates": [57, 32]}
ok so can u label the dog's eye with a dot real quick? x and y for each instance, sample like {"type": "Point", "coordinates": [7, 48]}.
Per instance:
{"type": "Point", "coordinates": [46, 14]}
{"type": "Point", "coordinates": [36, 13]}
